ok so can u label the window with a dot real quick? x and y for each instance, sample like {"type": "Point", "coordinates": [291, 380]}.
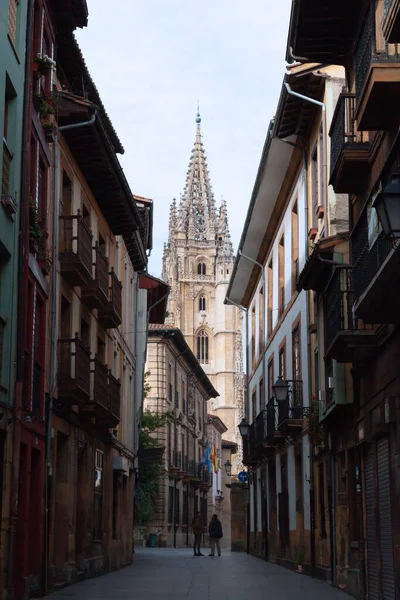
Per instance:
{"type": "Point", "coordinates": [253, 335]}
{"type": "Point", "coordinates": [296, 356]}
{"type": "Point", "coordinates": [176, 399]}
{"type": "Point", "coordinates": [201, 269]}
{"type": "Point", "coordinates": [282, 361]}
{"type": "Point", "coordinates": [169, 443]}
{"type": "Point", "coordinates": [270, 378]}
{"type": "Point", "coordinates": [202, 303]}
{"type": "Point", "coordinates": [270, 297]}
{"type": "Point", "coordinates": [262, 398]}
{"type": "Point", "coordinates": [98, 496]}
{"type": "Point", "coordinates": [170, 383]}
{"type": "Point", "coordinates": [202, 347]}
{"type": "Point", "coordinates": [281, 276]}
{"type": "Point", "coordinates": [295, 247]}
{"type": "Point", "coordinates": [7, 139]}
{"type": "Point", "coordinates": [254, 405]}
{"type": "Point", "coordinates": [12, 20]}
{"type": "Point", "coordinates": [260, 320]}
{"type": "Point", "coordinates": [314, 185]}
{"type": "Point", "coordinates": [183, 397]}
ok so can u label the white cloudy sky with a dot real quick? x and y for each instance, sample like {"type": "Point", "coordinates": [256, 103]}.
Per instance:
{"type": "Point", "coordinates": [152, 60]}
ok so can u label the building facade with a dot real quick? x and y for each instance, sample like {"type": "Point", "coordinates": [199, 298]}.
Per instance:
{"type": "Point", "coordinates": [197, 265]}
{"type": "Point", "coordinates": [179, 386]}
{"type": "Point", "coordinates": [13, 16]}
{"type": "Point", "coordinates": [357, 292]}
{"type": "Point", "coordinates": [292, 198]}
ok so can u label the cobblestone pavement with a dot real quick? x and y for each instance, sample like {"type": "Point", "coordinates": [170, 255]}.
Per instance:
{"type": "Point", "coordinates": [176, 574]}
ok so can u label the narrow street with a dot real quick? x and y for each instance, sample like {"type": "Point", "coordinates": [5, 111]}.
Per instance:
{"type": "Point", "coordinates": [173, 574]}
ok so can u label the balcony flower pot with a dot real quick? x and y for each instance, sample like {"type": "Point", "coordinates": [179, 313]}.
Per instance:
{"type": "Point", "coordinates": [299, 559]}
{"type": "Point", "coordinates": [44, 64]}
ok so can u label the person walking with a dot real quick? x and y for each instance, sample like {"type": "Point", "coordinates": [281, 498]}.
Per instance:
{"type": "Point", "coordinates": [215, 533]}
{"type": "Point", "coordinates": [198, 529]}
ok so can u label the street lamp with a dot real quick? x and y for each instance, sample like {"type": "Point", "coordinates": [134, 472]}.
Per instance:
{"type": "Point", "coordinates": [243, 427]}
{"type": "Point", "coordinates": [228, 468]}
{"type": "Point", "coordinates": [281, 389]}
{"type": "Point", "coordinates": [387, 206]}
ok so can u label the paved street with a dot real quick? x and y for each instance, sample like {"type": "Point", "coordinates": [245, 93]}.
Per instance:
{"type": "Point", "coordinates": [176, 574]}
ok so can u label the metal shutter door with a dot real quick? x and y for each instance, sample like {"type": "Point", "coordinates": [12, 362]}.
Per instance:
{"type": "Point", "coordinates": [372, 559]}
{"type": "Point", "coordinates": [385, 521]}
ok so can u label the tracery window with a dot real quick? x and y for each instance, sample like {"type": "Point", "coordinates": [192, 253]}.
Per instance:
{"type": "Point", "coordinates": [202, 347]}
{"type": "Point", "coordinates": [201, 269]}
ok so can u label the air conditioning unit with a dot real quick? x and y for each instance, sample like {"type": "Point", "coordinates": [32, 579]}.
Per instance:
{"type": "Point", "coordinates": [121, 464]}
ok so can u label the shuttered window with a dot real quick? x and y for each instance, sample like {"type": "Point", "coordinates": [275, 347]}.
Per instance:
{"type": "Point", "coordinates": [12, 19]}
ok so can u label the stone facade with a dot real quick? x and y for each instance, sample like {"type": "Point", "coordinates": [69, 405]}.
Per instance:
{"type": "Point", "coordinates": [178, 385]}
{"type": "Point", "coordinates": [197, 264]}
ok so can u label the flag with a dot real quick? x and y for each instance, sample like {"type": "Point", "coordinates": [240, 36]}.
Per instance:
{"type": "Point", "coordinates": [216, 461]}
{"type": "Point", "coordinates": [206, 458]}
{"type": "Point", "coordinates": [212, 455]}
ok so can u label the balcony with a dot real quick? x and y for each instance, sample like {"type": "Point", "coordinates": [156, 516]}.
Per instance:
{"type": "Point", "coordinates": [73, 372]}
{"type": "Point", "coordinates": [350, 148]}
{"type": "Point", "coordinates": [375, 273]}
{"type": "Point", "coordinates": [250, 456]}
{"type": "Point", "coordinates": [105, 400]}
{"type": "Point", "coordinates": [75, 251]}
{"type": "Point", "coordinates": [205, 478]}
{"type": "Point", "coordinates": [348, 339]}
{"type": "Point", "coordinates": [377, 78]}
{"type": "Point", "coordinates": [175, 462]}
{"type": "Point", "coordinates": [391, 23]}
{"type": "Point", "coordinates": [110, 316]}
{"type": "Point", "coordinates": [291, 412]}
{"type": "Point", "coordinates": [95, 295]}
{"type": "Point", "coordinates": [265, 430]}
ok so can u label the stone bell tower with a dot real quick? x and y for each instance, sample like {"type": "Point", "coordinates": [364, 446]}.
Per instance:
{"type": "Point", "coordinates": [197, 264]}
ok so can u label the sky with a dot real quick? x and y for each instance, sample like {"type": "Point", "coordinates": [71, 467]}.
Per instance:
{"type": "Point", "coordinates": [153, 60]}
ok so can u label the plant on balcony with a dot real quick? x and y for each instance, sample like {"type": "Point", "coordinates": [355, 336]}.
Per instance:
{"type": "Point", "coordinates": [43, 106]}
{"type": "Point", "coordinates": [316, 431]}
{"type": "Point", "coordinates": [43, 64]}
{"type": "Point", "coordinates": [49, 130]}
{"type": "Point", "coordinates": [299, 558]}
{"type": "Point", "coordinates": [35, 228]}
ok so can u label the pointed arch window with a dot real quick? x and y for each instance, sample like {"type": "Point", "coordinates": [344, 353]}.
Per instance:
{"type": "Point", "coordinates": [201, 269]}
{"type": "Point", "coordinates": [202, 348]}
{"type": "Point", "coordinates": [202, 303]}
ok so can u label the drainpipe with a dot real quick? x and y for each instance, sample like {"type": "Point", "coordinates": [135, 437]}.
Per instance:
{"type": "Point", "coordinates": [54, 331]}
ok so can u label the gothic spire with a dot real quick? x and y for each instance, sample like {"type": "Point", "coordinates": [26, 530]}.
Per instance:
{"type": "Point", "coordinates": [198, 204]}
{"type": "Point", "coordinates": [225, 248]}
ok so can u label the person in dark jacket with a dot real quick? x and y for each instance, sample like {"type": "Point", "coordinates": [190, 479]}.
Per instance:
{"type": "Point", "coordinates": [198, 528]}
{"type": "Point", "coordinates": [215, 533]}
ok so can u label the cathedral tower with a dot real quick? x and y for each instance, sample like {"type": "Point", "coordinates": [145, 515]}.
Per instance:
{"type": "Point", "coordinates": [197, 264]}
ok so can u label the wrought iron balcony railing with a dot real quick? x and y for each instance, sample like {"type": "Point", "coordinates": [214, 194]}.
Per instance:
{"type": "Point", "coordinates": [368, 255]}
{"type": "Point", "coordinates": [339, 305]}
{"type": "Point", "coordinates": [368, 51]}
{"type": "Point", "coordinates": [75, 249]}
{"type": "Point", "coordinates": [343, 132]}
{"type": "Point", "coordinates": [292, 408]}
{"type": "Point", "coordinates": [73, 370]}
